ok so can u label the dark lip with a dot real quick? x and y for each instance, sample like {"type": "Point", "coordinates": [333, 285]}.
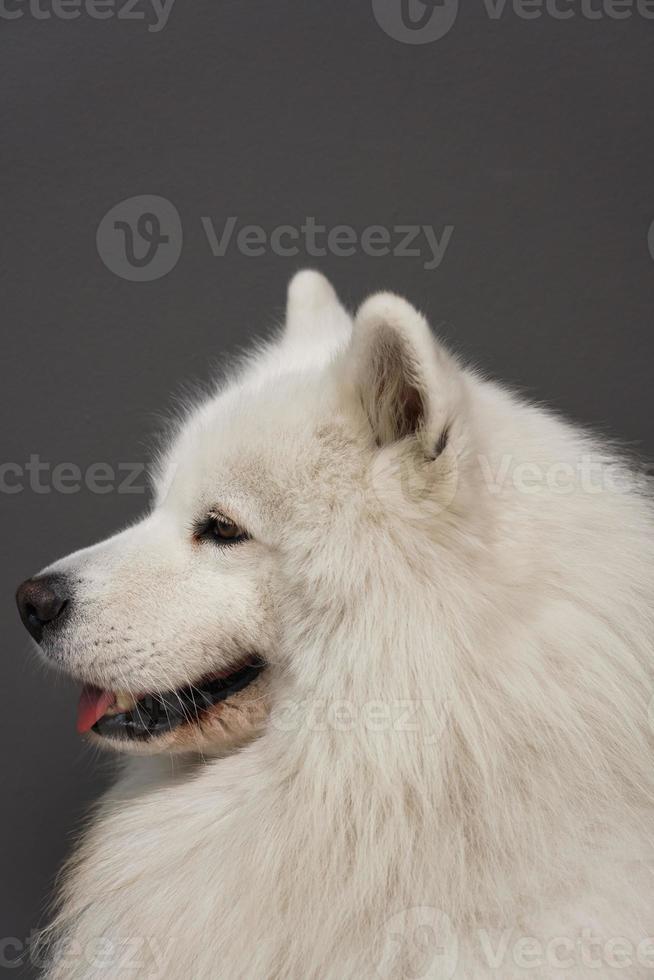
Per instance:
{"type": "Point", "coordinates": [156, 714]}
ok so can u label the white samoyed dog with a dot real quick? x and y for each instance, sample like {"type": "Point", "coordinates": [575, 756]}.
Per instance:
{"type": "Point", "coordinates": [380, 657]}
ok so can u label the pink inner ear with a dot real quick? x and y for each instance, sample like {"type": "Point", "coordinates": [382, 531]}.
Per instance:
{"type": "Point", "coordinates": [413, 409]}
{"type": "Point", "coordinates": [397, 407]}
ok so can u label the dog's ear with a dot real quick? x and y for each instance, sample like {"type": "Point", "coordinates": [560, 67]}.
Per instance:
{"type": "Point", "coordinates": [408, 384]}
{"type": "Point", "coordinates": [316, 323]}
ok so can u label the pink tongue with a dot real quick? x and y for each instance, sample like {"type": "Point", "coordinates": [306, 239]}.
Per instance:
{"type": "Point", "coordinates": [93, 703]}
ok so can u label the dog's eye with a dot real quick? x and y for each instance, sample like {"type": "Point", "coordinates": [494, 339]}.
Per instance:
{"type": "Point", "coordinates": [219, 529]}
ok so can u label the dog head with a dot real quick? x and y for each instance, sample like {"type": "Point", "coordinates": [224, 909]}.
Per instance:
{"type": "Point", "coordinates": [320, 443]}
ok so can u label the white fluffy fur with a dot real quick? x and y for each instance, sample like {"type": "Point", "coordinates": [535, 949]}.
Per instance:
{"type": "Point", "coordinates": [460, 677]}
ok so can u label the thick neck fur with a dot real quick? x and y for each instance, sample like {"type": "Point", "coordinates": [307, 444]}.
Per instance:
{"type": "Point", "coordinates": [493, 761]}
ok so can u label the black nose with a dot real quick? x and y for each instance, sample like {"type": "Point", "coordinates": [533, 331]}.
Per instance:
{"type": "Point", "coordinates": [41, 601]}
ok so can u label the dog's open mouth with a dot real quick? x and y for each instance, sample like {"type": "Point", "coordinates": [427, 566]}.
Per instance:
{"type": "Point", "coordinates": [117, 715]}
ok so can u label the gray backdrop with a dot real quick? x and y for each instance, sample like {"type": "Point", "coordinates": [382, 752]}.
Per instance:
{"type": "Point", "coordinates": [531, 136]}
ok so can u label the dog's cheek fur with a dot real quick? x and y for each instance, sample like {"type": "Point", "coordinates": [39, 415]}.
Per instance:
{"type": "Point", "coordinates": [153, 611]}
